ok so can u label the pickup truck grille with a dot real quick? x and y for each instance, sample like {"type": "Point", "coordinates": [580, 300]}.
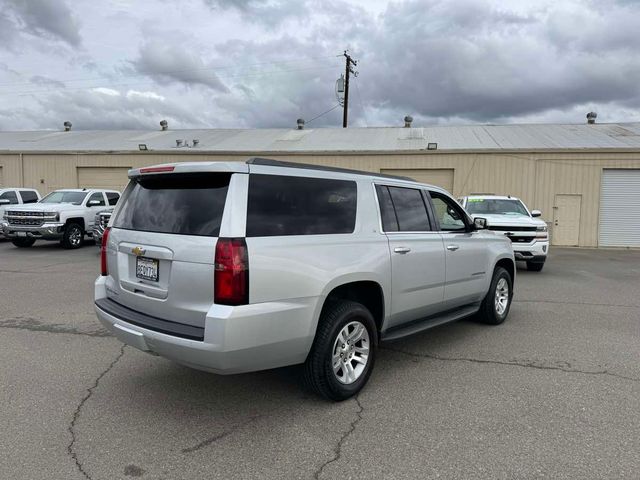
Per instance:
{"type": "Point", "coordinates": [103, 219]}
{"type": "Point", "coordinates": [515, 239]}
{"type": "Point", "coordinates": [31, 219]}
{"type": "Point", "coordinates": [512, 229]}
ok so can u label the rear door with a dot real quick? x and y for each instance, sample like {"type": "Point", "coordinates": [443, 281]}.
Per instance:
{"type": "Point", "coordinates": [467, 254]}
{"type": "Point", "coordinates": [165, 231]}
{"type": "Point", "coordinates": [417, 254]}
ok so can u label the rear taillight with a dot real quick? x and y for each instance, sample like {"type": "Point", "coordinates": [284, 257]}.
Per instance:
{"type": "Point", "coordinates": [103, 252]}
{"type": "Point", "coordinates": [231, 278]}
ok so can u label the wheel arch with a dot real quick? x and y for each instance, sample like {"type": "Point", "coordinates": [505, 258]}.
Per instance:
{"type": "Point", "coordinates": [367, 292]}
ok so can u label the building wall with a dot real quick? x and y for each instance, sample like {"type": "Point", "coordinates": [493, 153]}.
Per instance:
{"type": "Point", "coordinates": [535, 177]}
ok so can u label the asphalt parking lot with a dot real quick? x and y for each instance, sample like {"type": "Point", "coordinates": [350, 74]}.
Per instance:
{"type": "Point", "coordinates": [552, 393]}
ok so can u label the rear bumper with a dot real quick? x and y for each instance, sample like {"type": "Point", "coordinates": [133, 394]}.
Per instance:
{"type": "Point", "coordinates": [47, 231]}
{"type": "Point", "coordinates": [234, 339]}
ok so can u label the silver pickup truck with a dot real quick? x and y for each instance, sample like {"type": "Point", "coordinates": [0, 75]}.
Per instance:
{"type": "Point", "coordinates": [235, 267]}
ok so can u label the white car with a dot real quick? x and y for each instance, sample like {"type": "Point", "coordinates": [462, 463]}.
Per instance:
{"type": "Point", "coordinates": [65, 215]}
{"type": "Point", "coordinates": [511, 217]}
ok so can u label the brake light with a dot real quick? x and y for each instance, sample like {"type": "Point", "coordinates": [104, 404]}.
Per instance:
{"type": "Point", "coordinates": [157, 169]}
{"type": "Point", "coordinates": [103, 252]}
{"type": "Point", "coordinates": [231, 277]}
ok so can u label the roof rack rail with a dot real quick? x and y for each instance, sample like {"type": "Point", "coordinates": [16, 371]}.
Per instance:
{"type": "Point", "coordinates": [269, 162]}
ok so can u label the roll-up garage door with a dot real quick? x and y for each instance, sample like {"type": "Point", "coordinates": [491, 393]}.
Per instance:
{"type": "Point", "coordinates": [1, 178]}
{"type": "Point", "coordinates": [113, 178]}
{"type": "Point", "coordinates": [440, 177]}
{"type": "Point", "coordinates": [620, 208]}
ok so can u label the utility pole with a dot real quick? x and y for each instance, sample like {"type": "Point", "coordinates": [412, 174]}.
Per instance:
{"type": "Point", "coordinates": [350, 63]}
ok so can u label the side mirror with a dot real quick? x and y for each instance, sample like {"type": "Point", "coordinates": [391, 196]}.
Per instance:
{"type": "Point", "coordinates": [4, 201]}
{"type": "Point", "coordinates": [480, 223]}
{"type": "Point", "coordinates": [93, 203]}
{"type": "Point", "coordinates": [536, 213]}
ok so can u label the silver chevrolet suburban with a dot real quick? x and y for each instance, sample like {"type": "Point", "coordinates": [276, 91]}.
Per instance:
{"type": "Point", "coordinates": [236, 267]}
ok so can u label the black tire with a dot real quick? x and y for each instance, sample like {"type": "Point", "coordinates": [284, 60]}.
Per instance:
{"type": "Point", "coordinates": [535, 266]}
{"type": "Point", "coordinates": [318, 369]}
{"type": "Point", "coordinates": [70, 238]}
{"type": "Point", "coordinates": [23, 242]}
{"type": "Point", "coordinates": [488, 312]}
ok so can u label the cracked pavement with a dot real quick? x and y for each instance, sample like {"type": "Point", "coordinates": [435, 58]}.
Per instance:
{"type": "Point", "coordinates": [552, 393]}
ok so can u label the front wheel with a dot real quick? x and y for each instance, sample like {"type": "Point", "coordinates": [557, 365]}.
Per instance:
{"type": "Point", "coordinates": [73, 236]}
{"type": "Point", "coordinates": [495, 306]}
{"type": "Point", "coordinates": [23, 242]}
{"type": "Point", "coordinates": [343, 352]}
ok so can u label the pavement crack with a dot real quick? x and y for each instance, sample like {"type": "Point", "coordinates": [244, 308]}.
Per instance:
{"type": "Point", "coordinates": [76, 414]}
{"type": "Point", "coordinates": [34, 325]}
{"type": "Point", "coordinates": [220, 436]}
{"type": "Point", "coordinates": [565, 367]}
{"type": "Point", "coordinates": [338, 448]}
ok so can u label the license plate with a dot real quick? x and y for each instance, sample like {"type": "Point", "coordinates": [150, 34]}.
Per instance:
{"type": "Point", "coordinates": [22, 234]}
{"type": "Point", "coordinates": [147, 268]}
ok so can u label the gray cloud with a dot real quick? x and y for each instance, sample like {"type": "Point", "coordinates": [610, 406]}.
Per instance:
{"type": "Point", "coordinates": [169, 63]}
{"type": "Point", "coordinates": [440, 61]}
{"type": "Point", "coordinates": [107, 109]}
{"type": "Point", "coordinates": [48, 18]}
{"type": "Point", "coordinates": [269, 12]}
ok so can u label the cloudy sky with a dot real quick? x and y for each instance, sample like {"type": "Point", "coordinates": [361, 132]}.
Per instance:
{"type": "Point", "coordinates": [264, 63]}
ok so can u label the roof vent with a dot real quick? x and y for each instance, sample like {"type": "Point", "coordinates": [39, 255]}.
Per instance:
{"type": "Point", "coordinates": [67, 126]}
{"type": "Point", "coordinates": [591, 117]}
{"type": "Point", "coordinates": [407, 121]}
{"type": "Point", "coordinates": [164, 125]}
{"type": "Point", "coordinates": [195, 142]}
{"type": "Point", "coordinates": [178, 143]}
{"type": "Point", "coordinates": [300, 122]}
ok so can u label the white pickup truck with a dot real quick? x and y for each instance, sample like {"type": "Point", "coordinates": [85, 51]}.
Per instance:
{"type": "Point", "coordinates": [510, 216]}
{"type": "Point", "coordinates": [17, 196]}
{"type": "Point", "coordinates": [65, 215]}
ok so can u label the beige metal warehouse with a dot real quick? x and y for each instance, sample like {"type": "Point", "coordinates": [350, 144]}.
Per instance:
{"type": "Point", "coordinates": [585, 178]}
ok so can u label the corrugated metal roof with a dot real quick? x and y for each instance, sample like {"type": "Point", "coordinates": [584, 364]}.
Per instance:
{"type": "Point", "coordinates": [383, 139]}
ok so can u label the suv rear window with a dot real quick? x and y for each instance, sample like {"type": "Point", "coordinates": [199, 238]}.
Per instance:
{"type": "Point", "coordinates": [184, 204]}
{"type": "Point", "coordinates": [282, 205]}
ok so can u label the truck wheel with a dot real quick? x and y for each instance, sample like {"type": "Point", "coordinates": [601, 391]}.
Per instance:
{"type": "Point", "coordinates": [23, 242]}
{"type": "Point", "coordinates": [495, 306]}
{"type": "Point", "coordinates": [343, 352]}
{"type": "Point", "coordinates": [73, 236]}
{"type": "Point", "coordinates": [535, 267]}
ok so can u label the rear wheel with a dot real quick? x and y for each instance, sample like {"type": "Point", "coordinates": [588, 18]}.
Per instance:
{"type": "Point", "coordinates": [73, 236]}
{"type": "Point", "coordinates": [535, 266]}
{"type": "Point", "coordinates": [495, 306]}
{"type": "Point", "coordinates": [343, 352]}
{"type": "Point", "coordinates": [23, 242]}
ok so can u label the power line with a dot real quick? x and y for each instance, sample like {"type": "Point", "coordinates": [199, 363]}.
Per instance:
{"type": "Point", "coordinates": [151, 82]}
{"type": "Point", "coordinates": [323, 113]}
{"type": "Point", "coordinates": [169, 72]}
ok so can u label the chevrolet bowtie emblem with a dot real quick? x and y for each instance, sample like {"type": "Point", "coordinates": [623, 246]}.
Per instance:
{"type": "Point", "coordinates": [138, 251]}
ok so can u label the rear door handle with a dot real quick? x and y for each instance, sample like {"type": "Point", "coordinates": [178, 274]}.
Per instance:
{"type": "Point", "coordinates": [402, 250]}
{"type": "Point", "coordinates": [452, 248]}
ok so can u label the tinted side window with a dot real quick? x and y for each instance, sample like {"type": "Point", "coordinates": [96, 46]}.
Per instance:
{"type": "Point", "coordinates": [97, 196]}
{"type": "Point", "coordinates": [410, 209]}
{"type": "Point", "coordinates": [28, 196]}
{"type": "Point", "coordinates": [11, 196]}
{"type": "Point", "coordinates": [448, 213]}
{"type": "Point", "coordinates": [280, 205]}
{"type": "Point", "coordinates": [389, 219]}
{"type": "Point", "coordinates": [112, 198]}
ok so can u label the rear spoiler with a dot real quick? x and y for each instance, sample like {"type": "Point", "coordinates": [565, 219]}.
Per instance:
{"type": "Point", "coordinates": [190, 167]}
